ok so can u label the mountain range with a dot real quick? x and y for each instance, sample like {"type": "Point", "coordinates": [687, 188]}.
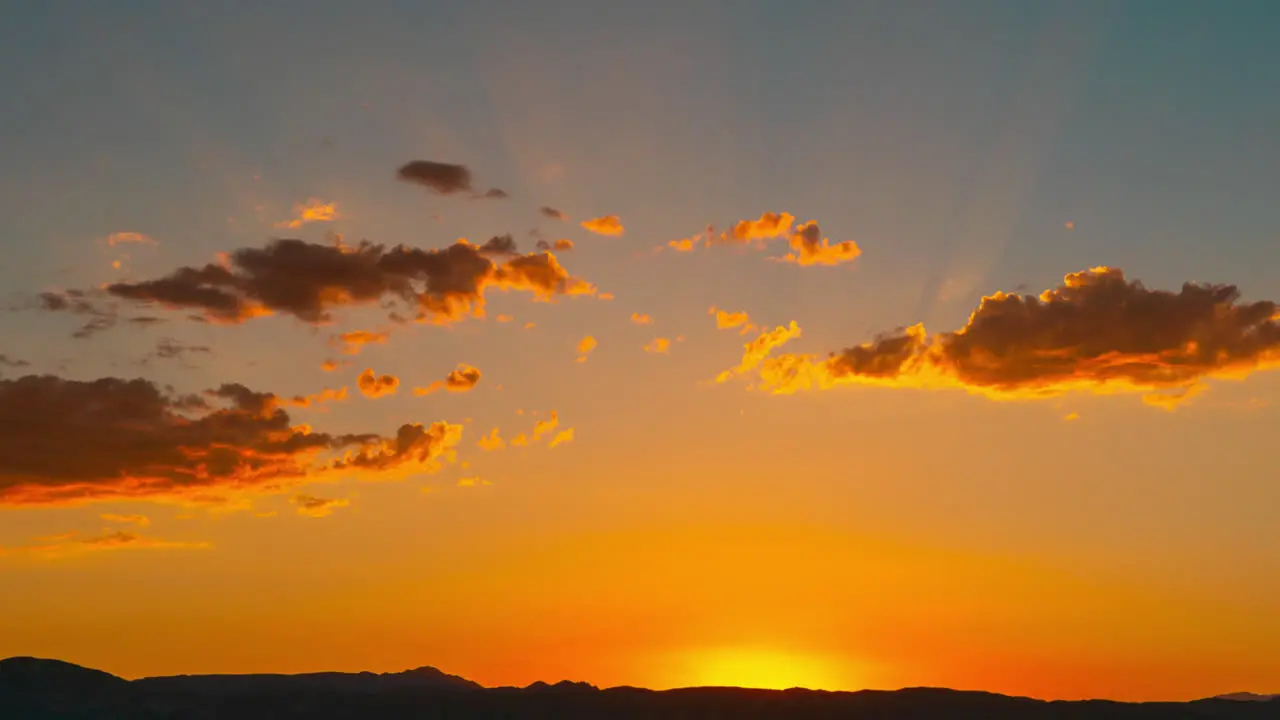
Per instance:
{"type": "Point", "coordinates": [37, 689]}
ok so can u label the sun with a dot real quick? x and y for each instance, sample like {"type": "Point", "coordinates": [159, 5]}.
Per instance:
{"type": "Point", "coordinates": [763, 668]}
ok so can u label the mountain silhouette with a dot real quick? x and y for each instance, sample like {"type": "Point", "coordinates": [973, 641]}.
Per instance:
{"type": "Point", "coordinates": [35, 689]}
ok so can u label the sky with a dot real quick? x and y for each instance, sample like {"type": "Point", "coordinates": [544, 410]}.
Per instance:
{"type": "Point", "coordinates": [840, 345]}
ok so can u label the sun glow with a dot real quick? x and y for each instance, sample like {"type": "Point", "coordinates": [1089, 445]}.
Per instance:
{"type": "Point", "coordinates": [762, 668]}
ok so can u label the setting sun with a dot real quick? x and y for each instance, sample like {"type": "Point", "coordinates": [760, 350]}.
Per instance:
{"type": "Point", "coordinates": [760, 668]}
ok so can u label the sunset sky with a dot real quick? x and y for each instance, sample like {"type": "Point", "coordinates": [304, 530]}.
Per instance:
{"type": "Point", "coordinates": [732, 410]}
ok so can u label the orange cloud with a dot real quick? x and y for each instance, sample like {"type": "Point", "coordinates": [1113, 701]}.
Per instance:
{"type": "Point", "coordinates": [70, 544]}
{"type": "Point", "coordinates": [330, 365]}
{"type": "Point", "coordinates": [354, 341]}
{"type": "Point", "coordinates": [542, 427]}
{"type": "Point", "coordinates": [308, 280]}
{"type": "Point", "coordinates": [756, 351]}
{"type": "Point", "coordinates": [808, 247]}
{"type": "Point", "coordinates": [318, 507]}
{"type": "Point", "coordinates": [726, 320]}
{"type": "Point", "coordinates": [1169, 401]}
{"type": "Point", "coordinates": [129, 238]}
{"type": "Point", "coordinates": [133, 440]}
{"type": "Point", "coordinates": [1070, 417]}
{"type": "Point", "coordinates": [585, 346]}
{"type": "Point", "coordinates": [472, 482]}
{"type": "Point", "coordinates": [658, 345]}
{"type": "Point", "coordinates": [562, 437]}
{"type": "Point", "coordinates": [491, 442]}
{"type": "Point", "coordinates": [462, 379]}
{"type": "Point", "coordinates": [770, 225]}
{"type": "Point", "coordinates": [520, 440]}
{"type": "Point", "coordinates": [683, 245]}
{"type": "Point", "coordinates": [1097, 332]}
{"type": "Point", "coordinates": [313, 210]}
{"type": "Point", "coordinates": [604, 225]}
{"type": "Point", "coordinates": [128, 519]}
{"type": "Point", "coordinates": [503, 318]}
{"type": "Point", "coordinates": [376, 386]}
{"type": "Point", "coordinates": [641, 319]}
{"type": "Point", "coordinates": [324, 396]}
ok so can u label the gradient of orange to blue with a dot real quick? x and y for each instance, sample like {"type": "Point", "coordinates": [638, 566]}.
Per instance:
{"type": "Point", "coordinates": [1072, 544]}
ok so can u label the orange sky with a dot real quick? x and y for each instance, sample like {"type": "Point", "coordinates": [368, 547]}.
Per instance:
{"type": "Point", "coordinates": [553, 355]}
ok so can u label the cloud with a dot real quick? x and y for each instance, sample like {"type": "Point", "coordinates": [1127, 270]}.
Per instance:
{"type": "Point", "coordinates": [70, 441]}
{"type": "Point", "coordinates": [641, 319]}
{"type": "Point", "coordinates": [491, 442]}
{"type": "Point", "coordinates": [330, 365]}
{"type": "Point", "coordinates": [444, 179]}
{"type": "Point", "coordinates": [604, 225]}
{"type": "Point", "coordinates": [318, 507]}
{"type": "Point", "coordinates": [71, 544]}
{"type": "Point", "coordinates": [313, 210]}
{"type": "Point", "coordinates": [808, 247]}
{"type": "Point", "coordinates": [658, 345]}
{"type": "Point", "coordinates": [102, 316]}
{"type": "Point", "coordinates": [755, 352]}
{"type": "Point", "coordinates": [1096, 332]}
{"type": "Point", "coordinates": [168, 348]}
{"type": "Point", "coordinates": [770, 225]}
{"type": "Point", "coordinates": [562, 437]}
{"type": "Point", "coordinates": [440, 178]}
{"type": "Point", "coordinates": [554, 214]}
{"type": "Point", "coordinates": [472, 482]}
{"type": "Point", "coordinates": [1071, 417]}
{"type": "Point", "coordinates": [128, 519]}
{"type": "Point", "coordinates": [684, 245]}
{"type": "Point", "coordinates": [373, 385]}
{"type": "Point", "coordinates": [520, 440]}
{"type": "Point", "coordinates": [354, 341]}
{"type": "Point", "coordinates": [543, 427]}
{"type": "Point", "coordinates": [12, 362]}
{"type": "Point", "coordinates": [585, 346]}
{"type": "Point", "coordinates": [1169, 401]}
{"type": "Point", "coordinates": [324, 396]}
{"type": "Point", "coordinates": [561, 245]}
{"type": "Point", "coordinates": [726, 320]}
{"type": "Point", "coordinates": [308, 280]}
{"type": "Point", "coordinates": [129, 238]}
{"type": "Point", "coordinates": [462, 379]}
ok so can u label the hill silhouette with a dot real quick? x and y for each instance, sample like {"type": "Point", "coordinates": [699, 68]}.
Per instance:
{"type": "Point", "coordinates": [35, 689]}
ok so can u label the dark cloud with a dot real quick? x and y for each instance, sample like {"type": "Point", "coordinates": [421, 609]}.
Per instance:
{"type": "Point", "coordinates": [500, 245]}
{"type": "Point", "coordinates": [561, 245]}
{"type": "Point", "coordinates": [168, 348]}
{"type": "Point", "coordinates": [7, 361]}
{"type": "Point", "coordinates": [552, 213]}
{"type": "Point", "coordinates": [101, 315]}
{"type": "Point", "coordinates": [306, 280]}
{"type": "Point", "coordinates": [494, 194]}
{"type": "Point", "coordinates": [440, 178]}
{"type": "Point", "coordinates": [67, 441]}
